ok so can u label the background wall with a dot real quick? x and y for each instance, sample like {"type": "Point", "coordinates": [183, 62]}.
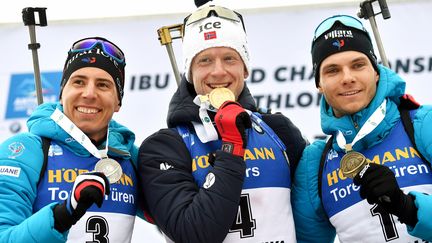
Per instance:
{"type": "Point", "coordinates": [281, 79]}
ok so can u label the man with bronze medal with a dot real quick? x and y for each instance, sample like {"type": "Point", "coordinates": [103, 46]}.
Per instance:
{"type": "Point", "coordinates": [201, 178]}
{"type": "Point", "coordinates": [356, 184]}
{"type": "Point", "coordinates": [73, 156]}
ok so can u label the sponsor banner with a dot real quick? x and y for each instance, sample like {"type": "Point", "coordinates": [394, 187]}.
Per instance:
{"type": "Point", "coordinates": [281, 76]}
{"type": "Point", "coordinates": [22, 95]}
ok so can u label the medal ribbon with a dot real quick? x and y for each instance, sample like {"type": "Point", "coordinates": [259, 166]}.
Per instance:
{"type": "Point", "coordinates": [372, 122]}
{"type": "Point", "coordinates": [205, 130]}
{"type": "Point", "coordinates": [70, 128]}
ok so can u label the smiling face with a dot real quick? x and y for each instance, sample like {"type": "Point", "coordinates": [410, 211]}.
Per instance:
{"type": "Point", "coordinates": [89, 100]}
{"type": "Point", "coordinates": [218, 67]}
{"type": "Point", "coordinates": [348, 82]}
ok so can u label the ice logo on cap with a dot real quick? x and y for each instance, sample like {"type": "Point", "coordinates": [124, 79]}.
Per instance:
{"type": "Point", "coordinates": [338, 43]}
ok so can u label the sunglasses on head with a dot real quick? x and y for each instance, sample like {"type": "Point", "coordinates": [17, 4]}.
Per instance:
{"type": "Point", "coordinates": [346, 20]}
{"type": "Point", "coordinates": [212, 10]}
{"type": "Point", "coordinates": [108, 47]}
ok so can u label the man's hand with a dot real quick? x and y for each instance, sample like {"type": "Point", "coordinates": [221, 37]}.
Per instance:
{"type": "Point", "coordinates": [378, 182]}
{"type": "Point", "coordinates": [88, 188]}
{"type": "Point", "coordinates": [231, 122]}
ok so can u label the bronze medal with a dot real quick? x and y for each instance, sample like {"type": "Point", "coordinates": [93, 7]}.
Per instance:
{"type": "Point", "coordinates": [351, 163]}
{"type": "Point", "coordinates": [111, 169]}
{"type": "Point", "coordinates": [219, 95]}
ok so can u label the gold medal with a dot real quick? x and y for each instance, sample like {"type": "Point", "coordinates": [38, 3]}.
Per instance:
{"type": "Point", "coordinates": [351, 163]}
{"type": "Point", "coordinates": [219, 95]}
{"type": "Point", "coordinates": [111, 169]}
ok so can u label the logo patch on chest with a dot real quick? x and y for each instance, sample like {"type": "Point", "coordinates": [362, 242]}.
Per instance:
{"type": "Point", "coordinates": [209, 180]}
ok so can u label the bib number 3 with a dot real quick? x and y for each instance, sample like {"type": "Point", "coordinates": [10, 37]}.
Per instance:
{"type": "Point", "coordinates": [97, 226]}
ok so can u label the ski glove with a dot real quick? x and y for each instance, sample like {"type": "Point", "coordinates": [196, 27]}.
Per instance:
{"type": "Point", "coordinates": [378, 185]}
{"type": "Point", "coordinates": [231, 122]}
{"type": "Point", "coordinates": [88, 188]}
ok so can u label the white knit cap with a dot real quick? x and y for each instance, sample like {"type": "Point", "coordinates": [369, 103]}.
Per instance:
{"type": "Point", "coordinates": [226, 33]}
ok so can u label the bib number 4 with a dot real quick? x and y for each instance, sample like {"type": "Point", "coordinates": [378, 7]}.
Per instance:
{"type": "Point", "coordinates": [244, 222]}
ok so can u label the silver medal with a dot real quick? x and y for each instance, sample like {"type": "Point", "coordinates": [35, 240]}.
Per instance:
{"type": "Point", "coordinates": [111, 169]}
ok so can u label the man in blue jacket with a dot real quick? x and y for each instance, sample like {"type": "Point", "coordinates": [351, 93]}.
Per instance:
{"type": "Point", "coordinates": [387, 199]}
{"type": "Point", "coordinates": [221, 172]}
{"type": "Point", "coordinates": [50, 191]}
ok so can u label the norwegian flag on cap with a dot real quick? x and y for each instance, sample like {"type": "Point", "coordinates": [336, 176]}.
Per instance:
{"type": "Point", "coordinates": [210, 35]}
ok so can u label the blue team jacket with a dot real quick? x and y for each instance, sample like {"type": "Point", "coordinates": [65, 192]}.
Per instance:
{"type": "Point", "coordinates": [312, 224]}
{"type": "Point", "coordinates": [21, 159]}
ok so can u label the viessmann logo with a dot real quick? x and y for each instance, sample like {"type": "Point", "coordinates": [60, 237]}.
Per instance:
{"type": "Point", "coordinates": [22, 98]}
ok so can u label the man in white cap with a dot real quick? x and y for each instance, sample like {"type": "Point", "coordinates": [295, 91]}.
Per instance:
{"type": "Point", "coordinates": [221, 172]}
